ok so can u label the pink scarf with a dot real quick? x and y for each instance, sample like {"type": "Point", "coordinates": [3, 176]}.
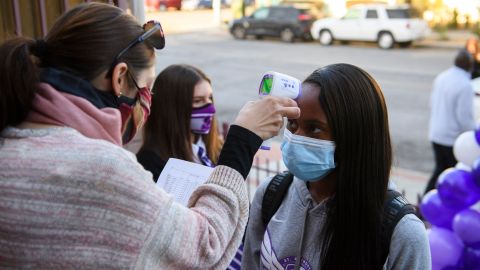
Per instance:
{"type": "Point", "coordinates": [56, 108]}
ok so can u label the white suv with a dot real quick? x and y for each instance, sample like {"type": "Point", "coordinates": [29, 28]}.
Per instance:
{"type": "Point", "coordinates": [383, 24]}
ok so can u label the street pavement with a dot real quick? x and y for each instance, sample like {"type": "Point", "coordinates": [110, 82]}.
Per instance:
{"type": "Point", "coordinates": [236, 67]}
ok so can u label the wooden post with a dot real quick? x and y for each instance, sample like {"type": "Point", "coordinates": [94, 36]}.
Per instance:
{"type": "Point", "coordinates": [18, 20]}
{"type": "Point", "coordinates": [122, 4]}
{"type": "Point", "coordinates": [43, 17]}
{"type": "Point", "coordinates": [65, 5]}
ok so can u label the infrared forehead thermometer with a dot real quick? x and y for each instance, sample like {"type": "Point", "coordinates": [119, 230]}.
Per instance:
{"type": "Point", "coordinates": [280, 85]}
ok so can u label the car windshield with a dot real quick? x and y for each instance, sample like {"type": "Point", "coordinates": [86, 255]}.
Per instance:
{"type": "Point", "coordinates": [352, 14]}
{"type": "Point", "coordinates": [401, 13]}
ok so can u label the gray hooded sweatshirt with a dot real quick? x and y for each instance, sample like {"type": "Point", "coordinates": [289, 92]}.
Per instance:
{"type": "Point", "coordinates": [294, 231]}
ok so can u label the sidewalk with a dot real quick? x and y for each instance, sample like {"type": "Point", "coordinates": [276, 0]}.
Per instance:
{"type": "Point", "coordinates": [452, 39]}
{"type": "Point", "coordinates": [190, 21]}
{"type": "Point", "coordinates": [202, 21]}
{"type": "Point", "coordinates": [267, 163]}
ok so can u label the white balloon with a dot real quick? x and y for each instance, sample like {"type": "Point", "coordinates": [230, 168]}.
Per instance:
{"type": "Point", "coordinates": [463, 167]}
{"type": "Point", "coordinates": [466, 148]}
{"type": "Point", "coordinates": [476, 206]}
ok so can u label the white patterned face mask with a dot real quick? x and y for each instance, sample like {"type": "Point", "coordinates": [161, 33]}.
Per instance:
{"type": "Point", "coordinates": [201, 120]}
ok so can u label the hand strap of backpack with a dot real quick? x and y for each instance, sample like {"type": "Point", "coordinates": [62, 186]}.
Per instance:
{"type": "Point", "coordinates": [396, 207]}
{"type": "Point", "coordinates": [274, 194]}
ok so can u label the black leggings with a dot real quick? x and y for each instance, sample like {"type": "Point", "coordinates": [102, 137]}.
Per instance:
{"type": "Point", "coordinates": [444, 159]}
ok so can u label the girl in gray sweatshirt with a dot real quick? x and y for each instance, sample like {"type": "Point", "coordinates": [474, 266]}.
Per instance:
{"type": "Point", "coordinates": [340, 154]}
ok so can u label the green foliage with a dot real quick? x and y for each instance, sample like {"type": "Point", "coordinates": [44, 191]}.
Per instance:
{"type": "Point", "coordinates": [441, 30]}
{"type": "Point", "coordinates": [476, 29]}
{"type": "Point", "coordinates": [454, 22]}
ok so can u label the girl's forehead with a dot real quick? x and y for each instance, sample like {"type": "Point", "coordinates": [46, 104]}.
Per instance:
{"type": "Point", "coordinates": [202, 88]}
{"type": "Point", "coordinates": [309, 103]}
{"type": "Point", "coordinates": [309, 95]}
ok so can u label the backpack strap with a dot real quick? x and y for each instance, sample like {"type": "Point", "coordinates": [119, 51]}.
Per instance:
{"type": "Point", "coordinates": [396, 207]}
{"type": "Point", "coordinates": [273, 197]}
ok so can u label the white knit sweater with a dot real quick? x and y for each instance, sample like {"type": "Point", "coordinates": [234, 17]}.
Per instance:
{"type": "Point", "coordinates": [68, 201]}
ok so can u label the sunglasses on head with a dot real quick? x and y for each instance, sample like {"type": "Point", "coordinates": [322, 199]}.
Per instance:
{"type": "Point", "coordinates": [153, 34]}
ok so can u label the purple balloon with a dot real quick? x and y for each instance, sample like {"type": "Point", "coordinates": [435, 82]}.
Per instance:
{"type": "Point", "coordinates": [477, 136]}
{"type": "Point", "coordinates": [471, 258]}
{"type": "Point", "coordinates": [446, 248]}
{"type": "Point", "coordinates": [476, 172]}
{"type": "Point", "coordinates": [433, 210]}
{"type": "Point", "coordinates": [466, 225]}
{"type": "Point", "coordinates": [458, 267]}
{"type": "Point", "coordinates": [457, 189]}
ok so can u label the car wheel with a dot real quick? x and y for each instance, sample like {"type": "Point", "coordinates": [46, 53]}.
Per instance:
{"type": "Point", "coordinates": [385, 40]}
{"type": "Point", "coordinates": [287, 35]}
{"type": "Point", "coordinates": [325, 37]}
{"type": "Point", "coordinates": [239, 32]}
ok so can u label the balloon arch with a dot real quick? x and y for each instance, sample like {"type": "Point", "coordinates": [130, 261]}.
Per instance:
{"type": "Point", "coordinates": [453, 209]}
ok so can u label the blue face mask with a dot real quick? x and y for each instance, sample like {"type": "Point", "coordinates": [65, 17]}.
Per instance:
{"type": "Point", "coordinates": [307, 158]}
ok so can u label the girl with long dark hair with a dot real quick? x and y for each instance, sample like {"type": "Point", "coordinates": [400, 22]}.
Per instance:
{"type": "Point", "coordinates": [182, 122]}
{"type": "Point", "coordinates": [340, 155]}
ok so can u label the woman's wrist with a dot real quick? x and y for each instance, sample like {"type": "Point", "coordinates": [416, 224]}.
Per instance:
{"type": "Point", "coordinates": [239, 149]}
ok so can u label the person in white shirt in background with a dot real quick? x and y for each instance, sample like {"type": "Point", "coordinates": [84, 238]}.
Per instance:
{"type": "Point", "coordinates": [451, 112]}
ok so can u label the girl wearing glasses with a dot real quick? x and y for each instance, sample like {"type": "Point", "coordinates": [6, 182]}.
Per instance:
{"type": "Point", "coordinates": [70, 195]}
{"type": "Point", "coordinates": [182, 121]}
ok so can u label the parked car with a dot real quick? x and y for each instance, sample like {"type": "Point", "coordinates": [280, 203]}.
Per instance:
{"type": "Point", "coordinates": [383, 24]}
{"type": "Point", "coordinates": [286, 22]}
{"type": "Point", "coordinates": [154, 5]}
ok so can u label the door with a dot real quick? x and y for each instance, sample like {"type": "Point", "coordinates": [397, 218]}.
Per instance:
{"type": "Point", "coordinates": [278, 19]}
{"type": "Point", "coordinates": [370, 25]}
{"type": "Point", "coordinates": [257, 23]}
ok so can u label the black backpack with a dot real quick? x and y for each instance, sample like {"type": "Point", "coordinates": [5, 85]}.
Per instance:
{"type": "Point", "coordinates": [396, 207]}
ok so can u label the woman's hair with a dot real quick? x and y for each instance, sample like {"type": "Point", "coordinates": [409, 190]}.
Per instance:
{"type": "Point", "coordinates": [464, 60]}
{"type": "Point", "coordinates": [357, 115]}
{"type": "Point", "coordinates": [84, 41]}
{"type": "Point", "coordinates": [472, 45]}
{"type": "Point", "coordinates": [167, 130]}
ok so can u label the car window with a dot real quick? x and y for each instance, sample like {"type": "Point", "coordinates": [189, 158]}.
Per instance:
{"type": "Point", "coordinates": [372, 14]}
{"type": "Point", "coordinates": [293, 13]}
{"type": "Point", "coordinates": [398, 13]}
{"type": "Point", "coordinates": [352, 14]}
{"type": "Point", "coordinates": [261, 13]}
{"type": "Point", "coordinates": [277, 13]}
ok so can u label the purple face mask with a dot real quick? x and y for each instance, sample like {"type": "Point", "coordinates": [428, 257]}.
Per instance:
{"type": "Point", "coordinates": [201, 120]}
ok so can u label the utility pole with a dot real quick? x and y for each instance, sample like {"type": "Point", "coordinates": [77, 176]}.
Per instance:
{"type": "Point", "coordinates": [216, 5]}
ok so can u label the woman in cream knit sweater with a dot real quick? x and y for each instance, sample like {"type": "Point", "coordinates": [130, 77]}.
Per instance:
{"type": "Point", "coordinates": [70, 195]}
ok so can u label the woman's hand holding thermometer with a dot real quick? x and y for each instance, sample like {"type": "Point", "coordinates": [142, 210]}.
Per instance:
{"type": "Point", "coordinates": [280, 85]}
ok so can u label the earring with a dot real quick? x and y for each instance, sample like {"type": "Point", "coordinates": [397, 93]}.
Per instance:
{"type": "Point", "coordinates": [120, 94]}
